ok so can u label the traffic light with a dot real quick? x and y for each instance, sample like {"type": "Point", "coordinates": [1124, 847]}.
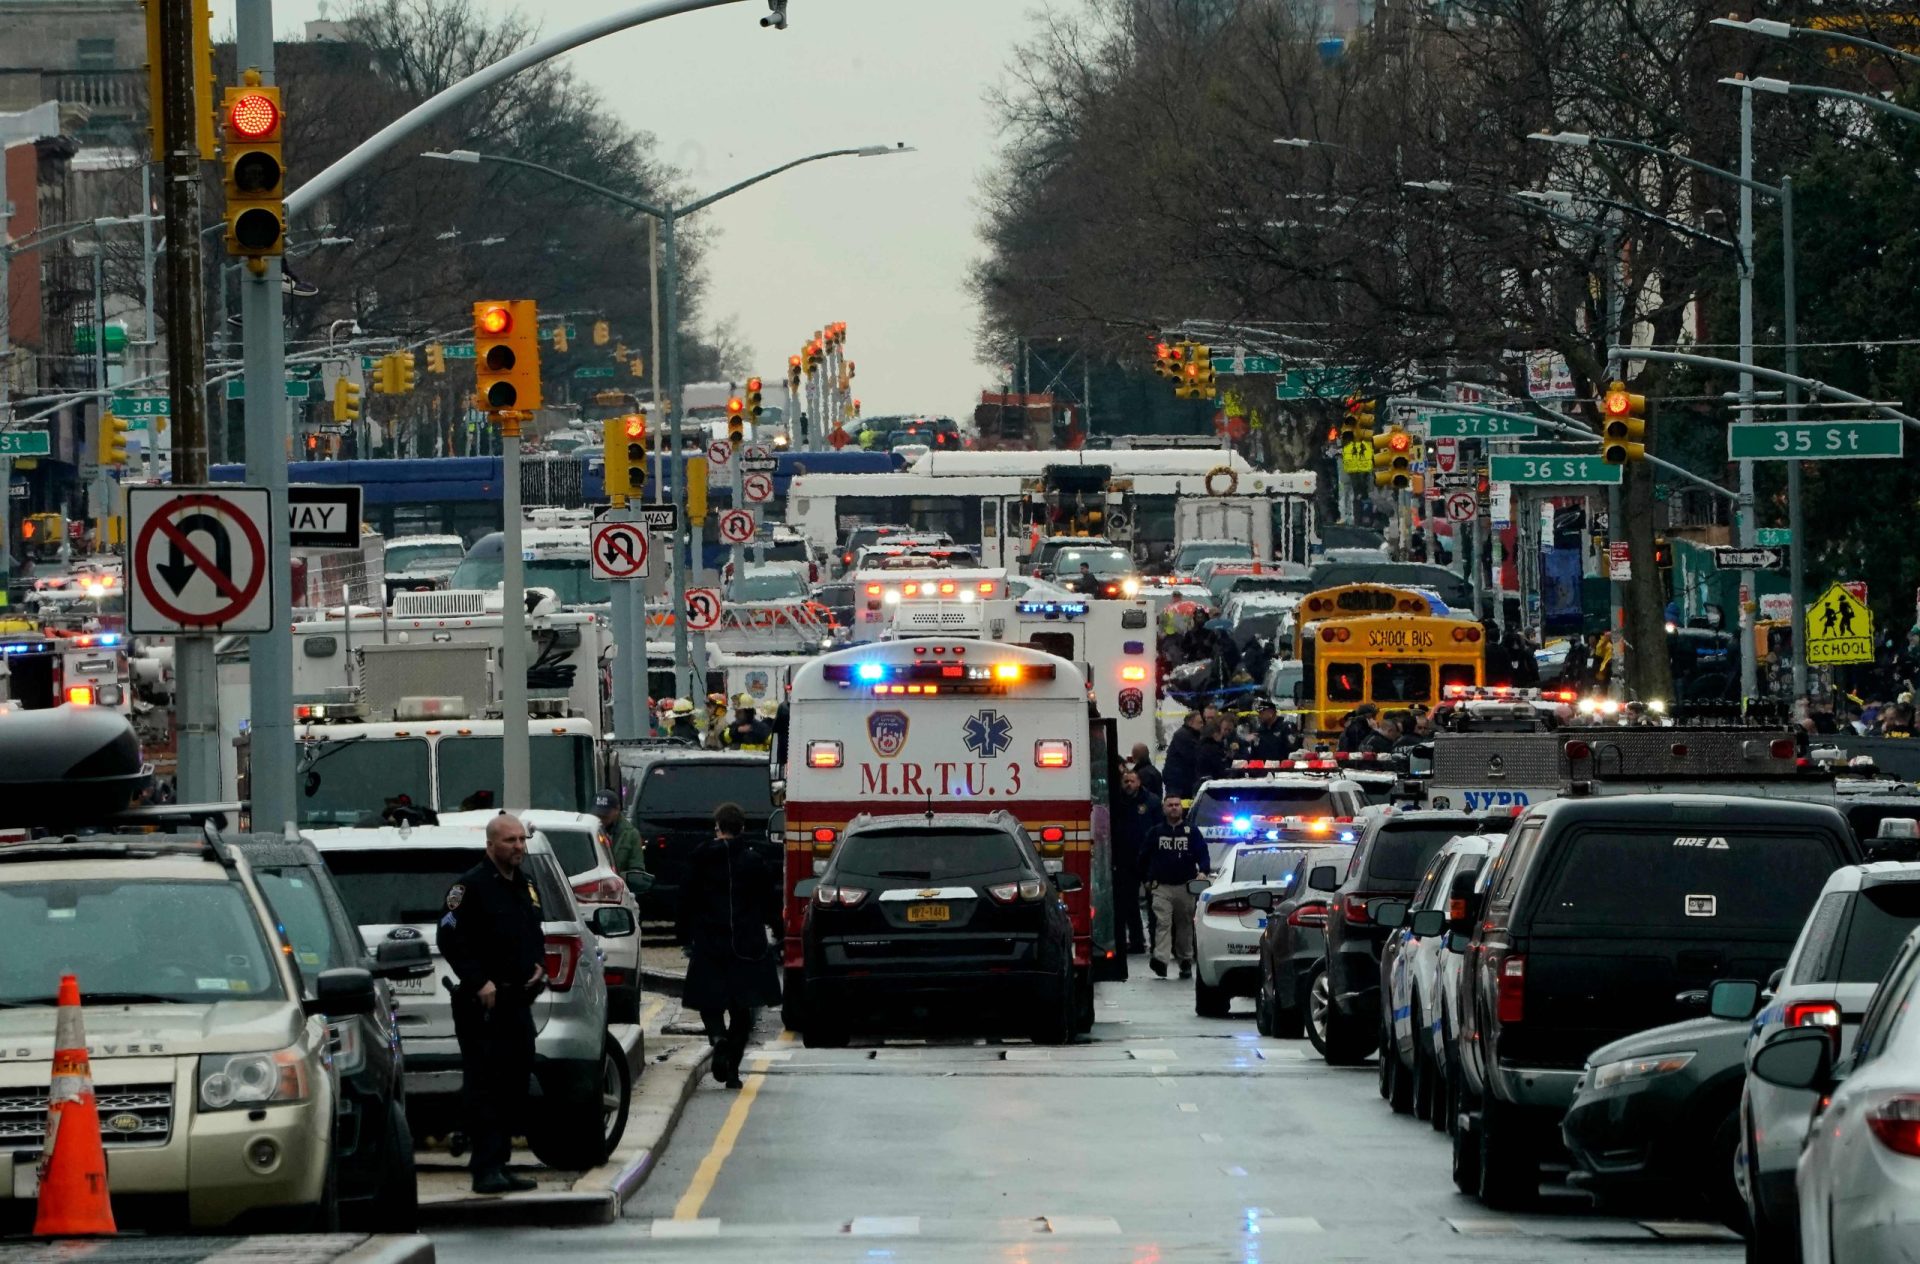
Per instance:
{"type": "Point", "coordinates": [112, 449]}
{"type": "Point", "coordinates": [1200, 359]}
{"type": "Point", "coordinates": [560, 342]}
{"type": "Point", "coordinates": [793, 373]}
{"type": "Point", "coordinates": [346, 401]}
{"type": "Point", "coordinates": [696, 468]}
{"type": "Point", "coordinates": [436, 358]}
{"type": "Point", "coordinates": [506, 349]}
{"type": "Point", "coordinates": [1662, 553]}
{"type": "Point", "coordinates": [602, 333]}
{"type": "Point", "coordinates": [754, 400]}
{"type": "Point", "coordinates": [736, 421]}
{"type": "Point", "coordinates": [1623, 425]}
{"type": "Point", "coordinates": [638, 365]}
{"type": "Point", "coordinates": [1349, 429]}
{"type": "Point", "coordinates": [402, 372]}
{"type": "Point", "coordinates": [1364, 422]}
{"type": "Point", "coordinates": [624, 449]}
{"type": "Point", "coordinates": [1163, 361]}
{"type": "Point", "coordinates": [256, 178]}
{"type": "Point", "coordinates": [1393, 459]}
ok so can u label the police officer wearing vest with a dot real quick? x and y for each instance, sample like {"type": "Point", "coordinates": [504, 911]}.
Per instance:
{"type": "Point", "coordinates": [748, 731]}
{"type": "Point", "coordinates": [1173, 856]}
{"type": "Point", "coordinates": [491, 937]}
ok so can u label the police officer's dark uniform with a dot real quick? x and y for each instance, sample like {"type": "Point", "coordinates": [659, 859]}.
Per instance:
{"type": "Point", "coordinates": [491, 933]}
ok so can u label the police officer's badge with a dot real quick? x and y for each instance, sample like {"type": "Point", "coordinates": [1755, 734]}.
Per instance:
{"type": "Point", "coordinates": [533, 893]}
{"type": "Point", "coordinates": [456, 893]}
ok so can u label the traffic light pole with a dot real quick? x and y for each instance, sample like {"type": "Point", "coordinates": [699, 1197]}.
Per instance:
{"type": "Point", "coordinates": [684, 555]}
{"type": "Point", "coordinates": [516, 781]}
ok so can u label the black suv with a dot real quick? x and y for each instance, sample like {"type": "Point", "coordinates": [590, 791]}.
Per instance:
{"type": "Point", "coordinates": [1609, 916]}
{"type": "Point", "coordinates": [937, 909]}
{"type": "Point", "coordinates": [1293, 945]}
{"type": "Point", "coordinates": [373, 1144]}
{"type": "Point", "coordinates": [1343, 998]}
{"type": "Point", "coordinates": [669, 792]}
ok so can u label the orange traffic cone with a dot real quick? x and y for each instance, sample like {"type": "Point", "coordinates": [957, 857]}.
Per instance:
{"type": "Point", "coordinates": [73, 1165]}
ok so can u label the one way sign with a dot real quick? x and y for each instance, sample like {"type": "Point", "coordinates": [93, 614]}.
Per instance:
{"type": "Point", "coordinates": [1728, 559]}
{"type": "Point", "coordinates": [323, 516]}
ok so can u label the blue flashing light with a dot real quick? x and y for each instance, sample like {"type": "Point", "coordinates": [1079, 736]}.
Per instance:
{"type": "Point", "coordinates": [871, 671]}
{"type": "Point", "coordinates": [111, 638]}
{"type": "Point", "coordinates": [1242, 824]}
{"type": "Point", "coordinates": [1346, 836]}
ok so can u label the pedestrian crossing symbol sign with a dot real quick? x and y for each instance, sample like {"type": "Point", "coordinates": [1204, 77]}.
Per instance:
{"type": "Point", "coordinates": [1357, 457]}
{"type": "Point", "coordinates": [1839, 630]}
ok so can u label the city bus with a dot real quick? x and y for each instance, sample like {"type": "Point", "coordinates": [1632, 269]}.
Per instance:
{"type": "Point", "coordinates": [1390, 660]}
{"type": "Point", "coordinates": [901, 728]}
{"type": "Point", "coordinates": [1351, 601]}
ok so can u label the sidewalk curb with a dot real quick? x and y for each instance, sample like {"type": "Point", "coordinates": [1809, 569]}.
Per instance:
{"type": "Point", "coordinates": [392, 1248]}
{"type": "Point", "coordinates": [598, 1196]}
{"type": "Point", "coordinates": [663, 981]}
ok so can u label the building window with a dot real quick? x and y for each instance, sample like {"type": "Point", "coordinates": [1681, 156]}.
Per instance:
{"type": "Point", "coordinates": [94, 54]}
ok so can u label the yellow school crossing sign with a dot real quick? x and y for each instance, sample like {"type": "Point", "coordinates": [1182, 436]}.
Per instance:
{"type": "Point", "coordinates": [1357, 457]}
{"type": "Point", "coordinates": [1839, 630]}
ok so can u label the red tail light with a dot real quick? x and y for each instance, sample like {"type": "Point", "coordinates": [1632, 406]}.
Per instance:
{"type": "Point", "coordinates": [1229, 908]}
{"type": "Point", "coordinates": [1512, 975]}
{"type": "Point", "coordinates": [607, 890]}
{"type": "Point", "coordinates": [1822, 1014]}
{"type": "Point", "coordinates": [1314, 915]}
{"type": "Point", "coordinates": [1456, 910]}
{"type": "Point", "coordinates": [1354, 909]}
{"type": "Point", "coordinates": [1896, 1124]}
{"type": "Point", "coordinates": [563, 958]}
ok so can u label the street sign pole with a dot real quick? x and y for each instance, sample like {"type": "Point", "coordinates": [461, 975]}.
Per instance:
{"type": "Point", "coordinates": [516, 776]}
{"type": "Point", "coordinates": [739, 501]}
{"type": "Point", "coordinates": [624, 715]}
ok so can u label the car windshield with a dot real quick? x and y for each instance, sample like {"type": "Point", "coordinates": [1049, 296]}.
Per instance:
{"type": "Point", "coordinates": [1883, 917]}
{"type": "Point", "coordinates": [1264, 864]}
{"type": "Point", "coordinates": [1099, 561]}
{"type": "Point", "coordinates": [578, 849]}
{"type": "Point", "coordinates": [570, 578]}
{"type": "Point", "coordinates": [770, 586]}
{"type": "Point", "coordinates": [1708, 879]}
{"type": "Point", "coordinates": [927, 855]}
{"type": "Point", "coordinates": [787, 551]}
{"type": "Point", "coordinates": [1223, 811]}
{"type": "Point", "coordinates": [296, 899]}
{"type": "Point", "coordinates": [693, 789]}
{"type": "Point", "coordinates": [348, 781]}
{"type": "Point", "coordinates": [562, 772]}
{"type": "Point", "coordinates": [402, 556]}
{"type": "Point", "coordinates": [399, 886]}
{"type": "Point", "coordinates": [1403, 854]}
{"type": "Point", "coordinates": [187, 941]}
{"type": "Point", "coordinates": [1191, 555]}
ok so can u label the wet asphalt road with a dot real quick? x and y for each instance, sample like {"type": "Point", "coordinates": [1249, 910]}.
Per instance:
{"type": "Point", "coordinates": [1163, 1137]}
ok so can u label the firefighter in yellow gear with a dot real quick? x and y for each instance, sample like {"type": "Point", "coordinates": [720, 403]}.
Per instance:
{"type": "Point", "coordinates": [747, 731]}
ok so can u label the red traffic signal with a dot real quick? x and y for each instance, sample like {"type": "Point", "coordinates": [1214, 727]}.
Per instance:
{"type": "Point", "coordinates": [636, 426]}
{"type": "Point", "coordinates": [496, 321]}
{"type": "Point", "coordinates": [1617, 403]}
{"type": "Point", "coordinates": [735, 406]}
{"type": "Point", "coordinates": [1399, 441]}
{"type": "Point", "coordinates": [753, 384]}
{"type": "Point", "coordinates": [253, 115]}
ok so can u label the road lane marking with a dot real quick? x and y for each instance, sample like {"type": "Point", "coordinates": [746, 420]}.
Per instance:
{"type": "Point", "coordinates": [686, 1228]}
{"type": "Point", "coordinates": [1211, 1138]}
{"type": "Point", "coordinates": [1191, 1108]}
{"type": "Point", "coordinates": [704, 1176]}
{"type": "Point", "coordinates": [884, 1227]}
{"type": "Point", "coordinates": [1082, 1226]}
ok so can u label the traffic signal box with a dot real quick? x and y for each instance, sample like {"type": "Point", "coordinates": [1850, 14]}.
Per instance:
{"type": "Point", "coordinates": [624, 449]}
{"type": "Point", "coordinates": [602, 333]}
{"type": "Point", "coordinates": [256, 177]}
{"type": "Point", "coordinates": [1197, 379]}
{"type": "Point", "coordinates": [1623, 425]}
{"type": "Point", "coordinates": [793, 373]}
{"type": "Point", "coordinates": [506, 354]}
{"type": "Point", "coordinates": [436, 358]}
{"type": "Point", "coordinates": [394, 374]}
{"type": "Point", "coordinates": [736, 421]}
{"type": "Point", "coordinates": [112, 446]}
{"type": "Point", "coordinates": [346, 402]}
{"type": "Point", "coordinates": [755, 400]}
{"type": "Point", "coordinates": [1393, 459]}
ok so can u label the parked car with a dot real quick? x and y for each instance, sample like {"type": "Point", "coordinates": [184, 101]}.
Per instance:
{"type": "Point", "coordinates": [1608, 916]}
{"type": "Point", "coordinates": [1863, 916]}
{"type": "Point", "coordinates": [586, 857]}
{"type": "Point", "coordinates": [947, 911]}
{"type": "Point", "coordinates": [1858, 1181]}
{"type": "Point", "coordinates": [394, 882]}
{"type": "Point", "coordinates": [1299, 808]}
{"type": "Point", "coordinates": [1393, 850]}
{"type": "Point", "coordinates": [1227, 925]}
{"type": "Point", "coordinates": [671, 790]}
{"type": "Point", "coordinates": [373, 1145]}
{"type": "Point", "coordinates": [1293, 944]}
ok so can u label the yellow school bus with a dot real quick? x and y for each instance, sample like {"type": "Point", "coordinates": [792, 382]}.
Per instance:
{"type": "Point", "coordinates": [1390, 660]}
{"type": "Point", "coordinates": [1352, 601]}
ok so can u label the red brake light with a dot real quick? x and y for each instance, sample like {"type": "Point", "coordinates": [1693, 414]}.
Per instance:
{"type": "Point", "coordinates": [1896, 1124]}
{"type": "Point", "coordinates": [1578, 750]}
{"type": "Point", "coordinates": [1512, 1004]}
{"type": "Point", "coordinates": [1782, 749]}
{"type": "Point", "coordinates": [1229, 908]}
{"type": "Point", "coordinates": [80, 695]}
{"type": "Point", "coordinates": [563, 958]}
{"type": "Point", "coordinates": [1053, 754]}
{"type": "Point", "coordinates": [1053, 834]}
{"type": "Point", "coordinates": [1354, 909]}
{"type": "Point", "coordinates": [1822, 1014]}
{"type": "Point", "coordinates": [1314, 914]}
{"type": "Point", "coordinates": [607, 890]}
{"type": "Point", "coordinates": [1456, 910]}
{"type": "Point", "coordinates": [823, 835]}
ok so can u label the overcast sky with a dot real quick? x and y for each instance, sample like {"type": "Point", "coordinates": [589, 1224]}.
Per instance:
{"type": "Point", "coordinates": [881, 243]}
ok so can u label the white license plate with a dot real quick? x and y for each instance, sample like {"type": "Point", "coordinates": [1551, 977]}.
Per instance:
{"type": "Point", "coordinates": [417, 987]}
{"type": "Point", "coordinates": [26, 1175]}
{"type": "Point", "coordinates": [1243, 950]}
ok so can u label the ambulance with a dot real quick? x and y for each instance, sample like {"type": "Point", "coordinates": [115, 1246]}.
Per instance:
{"type": "Point", "coordinates": [902, 728]}
{"type": "Point", "coordinates": [880, 596]}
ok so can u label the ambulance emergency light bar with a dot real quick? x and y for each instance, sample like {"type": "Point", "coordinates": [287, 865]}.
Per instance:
{"type": "Point", "coordinates": [961, 590]}
{"type": "Point", "coordinates": [936, 675]}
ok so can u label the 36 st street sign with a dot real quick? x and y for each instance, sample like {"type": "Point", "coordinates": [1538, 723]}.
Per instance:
{"type": "Point", "coordinates": [1813, 440]}
{"type": "Point", "coordinates": [1552, 469]}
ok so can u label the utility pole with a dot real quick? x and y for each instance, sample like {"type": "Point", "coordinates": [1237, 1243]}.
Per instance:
{"type": "Point", "coordinates": [1744, 523]}
{"type": "Point", "coordinates": [196, 693]}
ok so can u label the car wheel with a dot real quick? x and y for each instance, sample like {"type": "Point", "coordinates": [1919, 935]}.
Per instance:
{"type": "Point", "coordinates": [396, 1209]}
{"type": "Point", "coordinates": [623, 1004]}
{"type": "Point", "coordinates": [1509, 1170]}
{"type": "Point", "coordinates": [1333, 1034]}
{"type": "Point", "coordinates": [1451, 1094]}
{"type": "Point", "coordinates": [1289, 1021]}
{"type": "Point", "coordinates": [1768, 1242]}
{"type": "Point", "coordinates": [1209, 1002]}
{"type": "Point", "coordinates": [826, 1028]}
{"type": "Point", "coordinates": [1466, 1160]}
{"type": "Point", "coordinates": [575, 1132]}
{"type": "Point", "coordinates": [1082, 1002]}
{"type": "Point", "coordinates": [1399, 1084]}
{"type": "Point", "coordinates": [1263, 1007]}
{"type": "Point", "coordinates": [793, 990]}
{"type": "Point", "coordinates": [1422, 1077]}
{"type": "Point", "coordinates": [1722, 1191]}
{"type": "Point", "coordinates": [1053, 1018]}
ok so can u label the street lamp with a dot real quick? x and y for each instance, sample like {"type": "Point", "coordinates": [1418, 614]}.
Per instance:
{"type": "Point", "coordinates": [1774, 29]}
{"type": "Point", "coordinates": [1781, 87]}
{"type": "Point", "coordinates": [666, 284]}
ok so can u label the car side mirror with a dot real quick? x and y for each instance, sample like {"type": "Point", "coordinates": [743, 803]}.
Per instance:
{"type": "Point", "coordinates": [613, 921]}
{"type": "Point", "coordinates": [342, 993]}
{"type": "Point", "coordinates": [638, 881]}
{"type": "Point", "coordinates": [1198, 886]}
{"type": "Point", "coordinates": [1323, 878]}
{"type": "Point", "coordinates": [1457, 941]}
{"type": "Point", "coordinates": [1068, 882]}
{"type": "Point", "coordinates": [1262, 900]}
{"type": "Point", "coordinates": [1428, 922]}
{"type": "Point", "coordinates": [402, 959]}
{"type": "Point", "coordinates": [1799, 1057]}
{"type": "Point", "coordinates": [804, 889]}
{"type": "Point", "coordinates": [1391, 914]}
{"type": "Point", "coordinates": [1735, 1000]}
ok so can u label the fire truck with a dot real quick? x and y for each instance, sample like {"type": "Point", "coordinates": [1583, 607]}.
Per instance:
{"type": "Point", "coordinates": [87, 669]}
{"type": "Point", "coordinates": [901, 728]}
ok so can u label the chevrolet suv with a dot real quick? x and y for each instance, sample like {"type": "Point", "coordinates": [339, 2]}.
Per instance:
{"type": "Point", "coordinates": [218, 1098]}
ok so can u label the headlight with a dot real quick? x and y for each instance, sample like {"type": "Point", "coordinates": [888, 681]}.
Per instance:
{"type": "Point", "coordinates": [1130, 587]}
{"type": "Point", "coordinates": [233, 1081]}
{"type": "Point", "coordinates": [349, 1046]}
{"type": "Point", "coordinates": [1608, 1074]}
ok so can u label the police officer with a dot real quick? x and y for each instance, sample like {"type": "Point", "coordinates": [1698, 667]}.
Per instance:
{"type": "Point", "coordinates": [1271, 740]}
{"type": "Point", "coordinates": [748, 731]}
{"type": "Point", "coordinates": [1172, 857]}
{"type": "Point", "coordinates": [491, 936]}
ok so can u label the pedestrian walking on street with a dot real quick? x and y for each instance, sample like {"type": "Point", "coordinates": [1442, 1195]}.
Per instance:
{"type": "Point", "coordinates": [490, 935]}
{"type": "Point", "coordinates": [728, 902]}
{"type": "Point", "coordinates": [1180, 773]}
{"type": "Point", "coordinates": [1136, 816]}
{"type": "Point", "coordinates": [1173, 857]}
